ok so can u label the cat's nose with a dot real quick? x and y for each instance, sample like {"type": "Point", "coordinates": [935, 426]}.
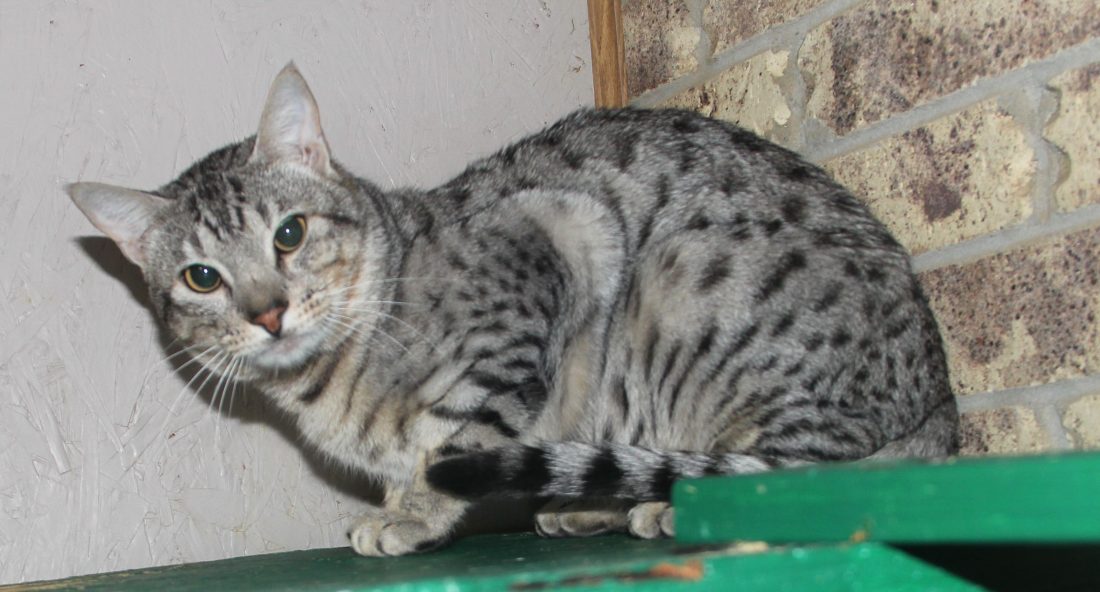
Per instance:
{"type": "Point", "coordinates": [271, 319]}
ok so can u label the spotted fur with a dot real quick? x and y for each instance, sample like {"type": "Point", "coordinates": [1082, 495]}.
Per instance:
{"type": "Point", "coordinates": [620, 300]}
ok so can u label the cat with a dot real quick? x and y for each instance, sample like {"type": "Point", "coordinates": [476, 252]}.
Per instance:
{"type": "Point", "coordinates": [623, 299]}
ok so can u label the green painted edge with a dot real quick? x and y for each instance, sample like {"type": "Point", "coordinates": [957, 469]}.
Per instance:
{"type": "Point", "coordinates": [501, 563]}
{"type": "Point", "coordinates": [1037, 499]}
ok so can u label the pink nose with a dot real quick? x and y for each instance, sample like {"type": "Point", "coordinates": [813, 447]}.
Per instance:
{"type": "Point", "coordinates": [272, 319]}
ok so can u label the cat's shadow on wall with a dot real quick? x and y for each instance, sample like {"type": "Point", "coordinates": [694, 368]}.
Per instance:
{"type": "Point", "coordinates": [252, 408]}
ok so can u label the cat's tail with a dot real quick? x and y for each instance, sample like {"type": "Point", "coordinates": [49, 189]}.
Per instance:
{"type": "Point", "coordinates": [576, 469]}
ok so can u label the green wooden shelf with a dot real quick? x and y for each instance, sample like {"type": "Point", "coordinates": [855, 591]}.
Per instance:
{"type": "Point", "coordinates": [520, 563]}
{"type": "Point", "coordinates": [820, 529]}
{"type": "Point", "coordinates": [1038, 499]}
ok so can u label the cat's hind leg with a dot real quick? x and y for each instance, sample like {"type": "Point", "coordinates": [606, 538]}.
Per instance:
{"type": "Point", "coordinates": [571, 517]}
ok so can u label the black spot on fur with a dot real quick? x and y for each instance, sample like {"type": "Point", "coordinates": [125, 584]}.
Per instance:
{"type": "Point", "coordinates": [793, 209]}
{"type": "Point", "coordinates": [793, 370]}
{"type": "Point", "coordinates": [788, 264]}
{"type": "Point", "coordinates": [896, 329]}
{"type": "Point", "coordinates": [686, 124]}
{"type": "Point", "coordinates": [670, 362]}
{"type": "Point", "coordinates": [651, 347]}
{"type": "Point", "coordinates": [574, 160]}
{"type": "Point", "coordinates": [668, 261]}
{"type": "Point", "coordinates": [603, 475]}
{"type": "Point", "coordinates": [785, 322]}
{"type": "Point", "coordinates": [471, 475]}
{"type": "Point", "coordinates": [748, 140]}
{"type": "Point", "coordinates": [624, 148]}
{"type": "Point", "coordinates": [797, 171]}
{"type": "Point", "coordinates": [698, 222]}
{"type": "Point", "coordinates": [661, 484]}
{"type": "Point", "coordinates": [829, 298]}
{"type": "Point", "coordinates": [533, 473]}
{"type": "Point", "coordinates": [733, 182]}
{"type": "Point", "coordinates": [622, 398]}
{"type": "Point", "coordinates": [814, 342]}
{"type": "Point", "coordinates": [456, 262]}
{"type": "Point", "coordinates": [235, 183]}
{"type": "Point", "coordinates": [311, 395]}
{"type": "Point", "coordinates": [715, 271]}
{"type": "Point", "coordinates": [852, 270]}
{"type": "Point", "coordinates": [771, 226]}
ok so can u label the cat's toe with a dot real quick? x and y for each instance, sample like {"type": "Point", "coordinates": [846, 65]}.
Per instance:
{"type": "Point", "coordinates": [651, 520]}
{"type": "Point", "coordinates": [379, 535]}
{"type": "Point", "coordinates": [580, 518]}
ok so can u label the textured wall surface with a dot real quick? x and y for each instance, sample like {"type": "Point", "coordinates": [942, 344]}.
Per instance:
{"type": "Point", "coordinates": [106, 461]}
{"type": "Point", "coordinates": [971, 129]}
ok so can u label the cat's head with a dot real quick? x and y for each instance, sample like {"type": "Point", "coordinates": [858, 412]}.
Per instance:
{"type": "Point", "coordinates": [261, 251]}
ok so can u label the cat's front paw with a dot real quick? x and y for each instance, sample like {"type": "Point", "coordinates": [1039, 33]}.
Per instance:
{"type": "Point", "coordinates": [382, 534]}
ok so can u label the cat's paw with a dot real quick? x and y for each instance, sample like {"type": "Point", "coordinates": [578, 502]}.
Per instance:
{"type": "Point", "coordinates": [381, 534]}
{"type": "Point", "coordinates": [579, 518]}
{"type": "Point", "coordinates": [651, 520]}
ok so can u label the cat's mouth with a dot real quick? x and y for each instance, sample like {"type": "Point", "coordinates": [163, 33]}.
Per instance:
{"type": "Point", "coordinates": [289, 350]}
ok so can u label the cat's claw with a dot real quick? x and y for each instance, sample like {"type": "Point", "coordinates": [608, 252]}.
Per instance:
{"type": "Point", "coordinates": [382, 534]}
{"type": "Point", "coordinates": [651, 520]}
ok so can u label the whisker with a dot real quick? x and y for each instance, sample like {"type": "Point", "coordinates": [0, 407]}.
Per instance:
{"type": "Point", "coordinates": [184, 350]}
{"type": "Point", "coordinates": [416, 331]}
{"type": "Point", "coordinates": [380, 331]}
{"type": "Point", "coordinates": [223, 385]}
{"type": "Point", "coordinates": [360, 333]}
{"type": "Point", "coordinates": [236, 384]}
{"type": "Point", "coordinates": [171, 408]}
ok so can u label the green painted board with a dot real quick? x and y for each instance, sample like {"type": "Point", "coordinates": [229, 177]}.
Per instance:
{"type": "Point", "coordinates": [1039, 499]}
{"type": "Point", "coordinates": [524, 563]}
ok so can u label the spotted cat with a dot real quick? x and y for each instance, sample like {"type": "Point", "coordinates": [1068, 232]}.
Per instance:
{"type": "Point", "coordinates": [625, 298]}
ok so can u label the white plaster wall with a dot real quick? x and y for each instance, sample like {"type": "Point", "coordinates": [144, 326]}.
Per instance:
{"type": "Point", "coordinates": [104, 463]}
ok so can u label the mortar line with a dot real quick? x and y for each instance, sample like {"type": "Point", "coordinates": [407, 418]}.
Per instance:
{"type": "Point", "coordinates": [1056, 394]}
{"type": "Point", "coordinates": [775, 37]}
{"type": "Point", "coordinates": [1080, 55]}
{"type": "Point", "coordinates": [703, 47]}
{"type": "Point", "coordinates": [1027, 233]}
{"type": "Point", "coordinates": [1051, 422]}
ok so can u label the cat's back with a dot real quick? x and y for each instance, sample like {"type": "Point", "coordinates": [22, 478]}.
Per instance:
{"type": "Point", "coordinates": [670, 166]}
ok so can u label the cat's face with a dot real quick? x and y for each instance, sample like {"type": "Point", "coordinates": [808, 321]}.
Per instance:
{"type": "Point", "coordinates": [257, 255]}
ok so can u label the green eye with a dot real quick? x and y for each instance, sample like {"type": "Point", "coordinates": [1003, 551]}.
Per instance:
{"type": "Point", "coordinates": [201, 278]}
{"type": "Point", "coordinates": [290, 234]}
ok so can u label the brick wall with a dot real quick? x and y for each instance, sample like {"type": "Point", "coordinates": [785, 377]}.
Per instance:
{"type": "Point", "coordinates": [972, 129]}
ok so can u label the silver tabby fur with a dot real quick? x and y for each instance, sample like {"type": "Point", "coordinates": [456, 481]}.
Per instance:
{"type": "Point", "coordinates": [622, 299]}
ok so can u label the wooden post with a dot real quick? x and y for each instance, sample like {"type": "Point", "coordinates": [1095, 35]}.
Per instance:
{"type": "Point", "coordinates": [605, 27]}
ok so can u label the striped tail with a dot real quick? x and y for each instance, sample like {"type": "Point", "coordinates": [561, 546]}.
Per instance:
{"type": "Point", "coordinates": [576, 469]}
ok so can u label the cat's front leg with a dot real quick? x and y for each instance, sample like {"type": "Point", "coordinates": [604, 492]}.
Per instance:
{"type": "Point", "coordinates": [411, 520]}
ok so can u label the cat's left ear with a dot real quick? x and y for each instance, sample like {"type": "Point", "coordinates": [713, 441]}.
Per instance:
{"type": "Point", "coordinates": [290, 127]}
{"type": "Point", "coordinates": [125, 215]}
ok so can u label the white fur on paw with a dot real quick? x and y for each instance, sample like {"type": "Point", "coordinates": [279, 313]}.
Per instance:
{"type": "Point", "coordinates": [380, 534]}
{"type": "Point", "coordinates": [651, 520]}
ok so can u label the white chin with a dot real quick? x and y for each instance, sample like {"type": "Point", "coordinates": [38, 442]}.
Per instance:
{"type": "Point", "coordinates": [288, 351]}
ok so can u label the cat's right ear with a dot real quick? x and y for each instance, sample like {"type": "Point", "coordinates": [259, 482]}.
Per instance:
{"type": "Point", "coordinates": [122, 214]}
{"type": "Point", "coordinates": [290, 127]}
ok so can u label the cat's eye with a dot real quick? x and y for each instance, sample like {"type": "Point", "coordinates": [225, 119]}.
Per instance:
{"type": "Point", "coordinates": [202, 278]}
{"type": "Point", "coordinates": [290, 233]}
